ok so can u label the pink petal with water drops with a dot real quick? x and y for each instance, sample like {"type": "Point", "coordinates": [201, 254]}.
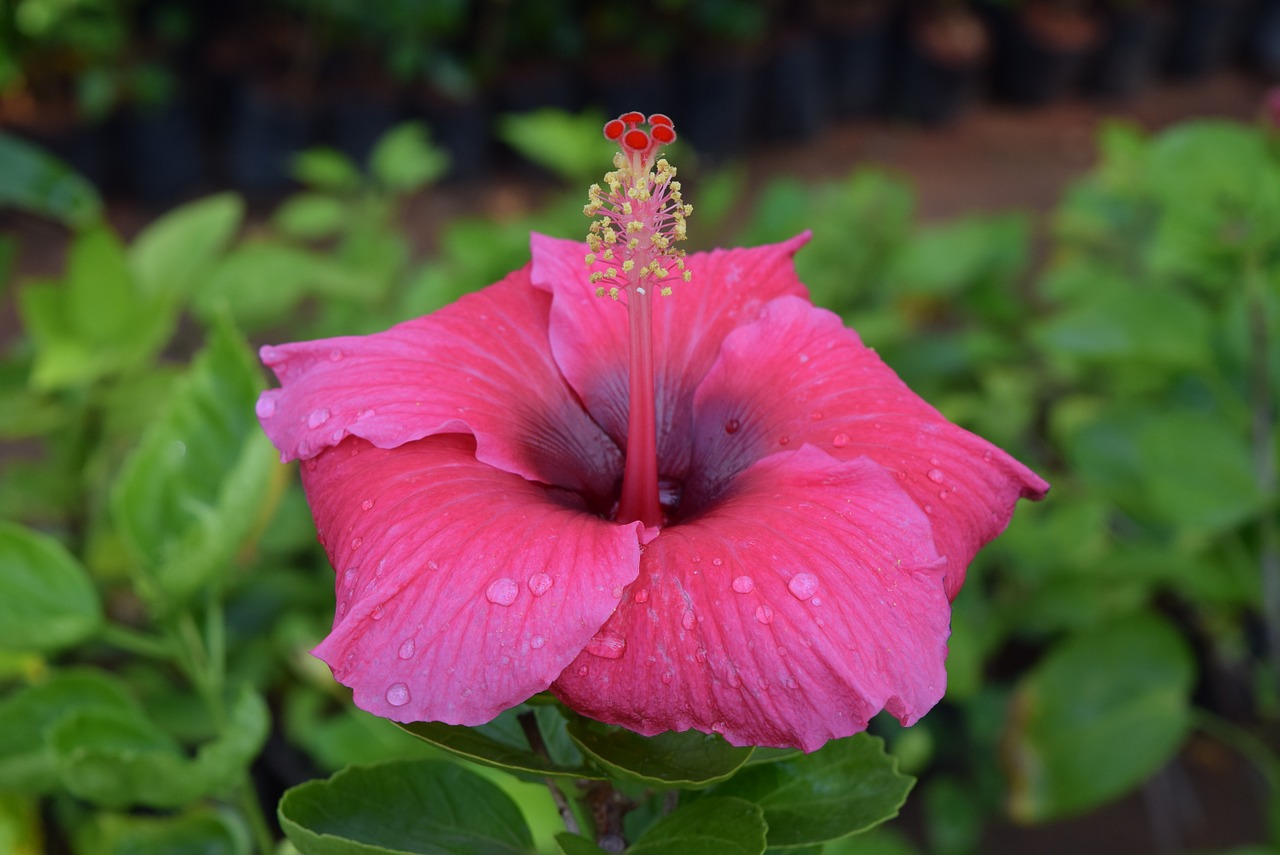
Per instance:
{"type": "Point", "coordinates": [589, 334]}
{"type": "Point", "coordinates": [481, 366]}
{"type": "Point", "coordinates": [797, 375]}
{"type": "Point", "coordinates": [808, 599]}
{"type": "Point", "coordinates": [462, 589]}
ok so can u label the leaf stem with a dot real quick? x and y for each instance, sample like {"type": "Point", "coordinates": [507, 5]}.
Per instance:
{"type": "Point", "coordinates": [529, 724]}
{"type": "Point", "coordinates": [1254, 749]}
{"type": "Point", "coordinates": [134, 641]}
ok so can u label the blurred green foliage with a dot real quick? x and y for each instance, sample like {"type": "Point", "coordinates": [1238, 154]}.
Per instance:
{"type": "Point", "coordinates": [160, 584]}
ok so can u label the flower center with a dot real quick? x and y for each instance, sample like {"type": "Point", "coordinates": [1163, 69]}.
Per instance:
{"type": "Point", "coordinates": [636, 223]}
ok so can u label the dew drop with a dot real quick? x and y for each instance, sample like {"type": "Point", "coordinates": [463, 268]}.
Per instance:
{"type": "Point", "coordinates": [539, 584]}
{"type": "Point", "coordinates": [791, 683]}
{"type": "Point", "coordinates": [697, 559]}
{"type": "Point", "coordinates": [687, 620]}
{"type": "Point", "coordinates": [986, 455]}
{"type": "Point", "coordinates": [936, 476]}
{"type": "Point", "coordinates": [817, 415]}
{"type": "Point", "coordinates": [764, 613]}
{"type": "Point", "coordinates": [366, 505]}
{"type": "Point", "coordinates": [717, 562]}
{"type": "Point", "coordinates": [349, 577]}
{"type": "Point", "coordinates": [356, 543]}
{"type": "Point", "coordinates": [397, 694]}
{"type": "Point", "coordinates": [804, 357]}
{"type": "Point", "coordinates": [762, 683]}
{"type": "Point", "coordinates": [733, 679]}
{"type": "Point", "coordinates": [607, 646]}
{"type": "Point", "coordinates": [265, 408]}
{"type": "Point", "coordinates": [928, 509]}
{"type": "Point", "coordinates": [840, 440]}
{"type": "Point", "coordinates": [731, 426]}
{"type": "Point", "coordinates": [617, 592]}
{"type": "Point", "coordinates": [667, 677]}
{"type": "Point", "coordinates": [501, 592]}
{"type": "Point", "coordinates": [803, 585]}
{"type": "Point", "coordinates": [335, 355]}
{"type": "Point", "coordinates": [642, 595]}
{"type": "Point", "coordinates": [537, 642]}
{"type": "Point", "coordinates": [784, 440]}
{"type": "Point", "coordinates": [406, 649]}
{"type": "Point", "coordinates": [701, 656]}
{"type": "Point", "coordinates": [719, 727]}
{"type": "Point", "coordinates": [744, 585]}
{"type": "Point", "coordinates": [377, 613]}
{"type": "Point", "coordinates": [944, 494]}
{"type": "Point", "coordinates": [317, 418]}
{"type": "Point", "coordinates": [817, 601]}
{"type": "Point", "coordinates": [583, 671]}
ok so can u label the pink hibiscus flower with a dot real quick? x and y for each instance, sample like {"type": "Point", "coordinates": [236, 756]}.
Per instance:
{"type": "Point", "coordinates": [716, 509]}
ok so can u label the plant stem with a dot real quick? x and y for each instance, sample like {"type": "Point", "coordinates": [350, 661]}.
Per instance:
{"type": "Point", "coordinates": [133, 641]}
{"type": "Point", "coordinates": [529, 724]}
{"type": "Point", "coordinates": [1255, 750]}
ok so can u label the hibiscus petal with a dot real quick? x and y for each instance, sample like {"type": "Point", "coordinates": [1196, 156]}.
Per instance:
{"type": "Point", "coordinates": [462, 589]}
{"type": "Point", "coordinates": [807, 600]}
{"type": "Point", "coordinates": [480, 365]}
{"type": "Point", "coordinates": [797, 375]}
{"type": "Point", "coordinates": [589, 334]}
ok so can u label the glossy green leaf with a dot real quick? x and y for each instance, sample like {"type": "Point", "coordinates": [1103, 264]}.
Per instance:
{"type": "Point", "coordinates": [420, 807]}
{"type": "Point", "coordinates": [503, 745]}
{"type": "Point", "coordinates": [199, 481]}
{"type": "Point", "coordinates": [404, 159]}
{"type": "Point", "coordinates": [47, 600]}
{"type": "Point", "coordinates": [175, 252]}
{"type": "Point", "coordinates": [572, 844]}
{"type": "Point", "coordinates": [206, 832]}
{"type": "Point", "coordinates": [1096, 716]}
{"type": "Point", "coordinates": [119, 758]}
{"type": "Point", "coordinates": [36, 181]}
{"type": "Point", "coordinates": [715, 824]}
{"type": "Point", "coordinates": [310, 216]}
{"type": "Point", "coordinates": [688, 759]}
{"type": "Point", "coordinates": [326, 169]}
{"type": "Point", "coordinates": [848, 786]}
{"type": "Point", "coordinates": [27, 763]}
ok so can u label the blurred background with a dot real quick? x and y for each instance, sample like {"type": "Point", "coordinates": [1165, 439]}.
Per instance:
{"type": "Point", "coordinates": [1058, 220]}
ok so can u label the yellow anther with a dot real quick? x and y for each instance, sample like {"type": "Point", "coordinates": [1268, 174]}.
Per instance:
{"type": "Point", "coordinates": [688, 274]}
{"type": "Point", "coordinates": [665, 291]}
{"type": "Point", "coordinates": [628, 265]}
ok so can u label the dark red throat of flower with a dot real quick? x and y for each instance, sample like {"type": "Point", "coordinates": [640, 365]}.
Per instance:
{"type": "Point", "coordinates": [638, 218]}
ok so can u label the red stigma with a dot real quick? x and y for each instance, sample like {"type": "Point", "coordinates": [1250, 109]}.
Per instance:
{"type": "Point", "coordinates": [632, 118]}
{"type": "Point", "coordinates": [660, 119]}
{"type": "Point", "coordinates": [613, 129]}
{"type": "Point", "coordinates": [663, 133]}
{"type": "Point", "coordinates": [635, 139]}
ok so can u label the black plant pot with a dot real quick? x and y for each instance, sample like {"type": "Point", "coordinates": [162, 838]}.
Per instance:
{"type": "Point", "coordinates": [1035, 63]}
{"type": "Point", "coordinates": [716, 104]}
{"type": "Point", "coordinates": [1127, 58]}
{"type": "Point", "coordinates": [1202, 37]}
{"type": "Point", "coordinates": [791, 94]}
{"type": "Point", "coordinates": [163, 153]}
{"type": "Point", "coordinates": [934, 86]}
{"type": "Point", "coordinates": [264, 132]}
{"type": "Point", "coordinates": [854, 61]}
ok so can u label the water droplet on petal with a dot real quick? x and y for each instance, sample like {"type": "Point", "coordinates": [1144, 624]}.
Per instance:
{"type": "Point", "coordinates": [784, 440]}
{"type": "Point", "coordinates": [617, 592]}
{"type": "Point", "coordinates": [803, 585]}
{"type": "Point", "coordinates": [719, 727]}
{"type": "Point", "coordinates": [356, 543]}
{"type": "Point", "coordinates": [265, 408]}
{"type": "Point", "coordinates": [928, 509]}
{"type": "Point", "coordinates": [642, 595]}
{"type": "Point", "coordinates": [667, 677]}
{"type": "Point", "coordinates": [349, 576]}
{"type": "Point", "coordinates": [539, 584]}
{"type": "Point", "coordinates": [701, 656]}
{"type": "Point", "coordinates": [366, 505]}
{"type": "Point", "coordinates": [502, 592]}
{"type": "Point", "coordinates": [583, 671]}
{"type": "Point", "coordinates": [317, 418]}
{"type": "Point", "coordinates": [717, 562]}
{"type": "Point", "coordinates": [791, 683]}
{"type": "Point", "coordinates": [335, 355]}
{"type": "Point", "coordinates": [733, 679]}
{"type": "Point", "coordinates": [687, 620]}
{"type": "Point", "coordinates": [537, 642]}
{"type": "Point", "coordinates": [406, 649]}
{"type": "Point", "coordinates": [607, 646]}
{"type": "Point", "coordinates": [817, 601]}
{"type": "Point", "coordinates": [377, 613]}
{"type": "Point", "coordinates": [432, 565]}
{"type": "Point", "coordinates": [764, 613]}
{"type": "Point", "coordinates": [936, 476]}
{"type": "Point", "coordinates": [731, 426]}
{"type": "Point", "coordinates": [744, 585]}
{"type": "Point", "coordinates": [762, 683]}
{"type": "Point", "coordinates": [817, 415]}
{"type": "Point", "coordinates": [986, 455]}
{"type": "Point", "coordinates": [697, 559]}
{"type": "Point", "coordinates": [397, 694]}
{"type": "Point", "coordinates": [840, 440]}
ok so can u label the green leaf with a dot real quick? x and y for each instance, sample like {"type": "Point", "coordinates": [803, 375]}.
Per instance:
{"type": "Point", "coordinates": [326, 169]}
{"type": "Point", "coordinates": [199, 481]}
{"type": "Point", "coordinates": [27, 763]}
{"type": "Point", "coordinates": [47, 600]}
{"type": "Point", "coordinates": [176, 251]}
{"type": "Point", "coordinates": [500, 744]}
{"type": "Point", "coordinates": [310, 216]}
{"type": "Point", "coordinates": [687, 759]}
{"type": "Point", "coordinates": [404, 160]}
{"type": "Point", "coordinates": [848, 786]}
{"type": "Point", "coordinates": [572, 844]}
{"type": "Point", "coordinates": [949, 259]}
{"type": "Point", "coordinates": [119, 758]}
{"type": "Point", "coordinates": [422, 807]}
{"type": "Point", "coordinates": [569, 146]}
{"type": "Point", "coordinates": [206, 832]}
{"type": "Point", "coordinates": [1096, 716]}
{"type": "Point", "coordinates": [35, 181]}
{"type": "Point", "coordinates": [715, 824]}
